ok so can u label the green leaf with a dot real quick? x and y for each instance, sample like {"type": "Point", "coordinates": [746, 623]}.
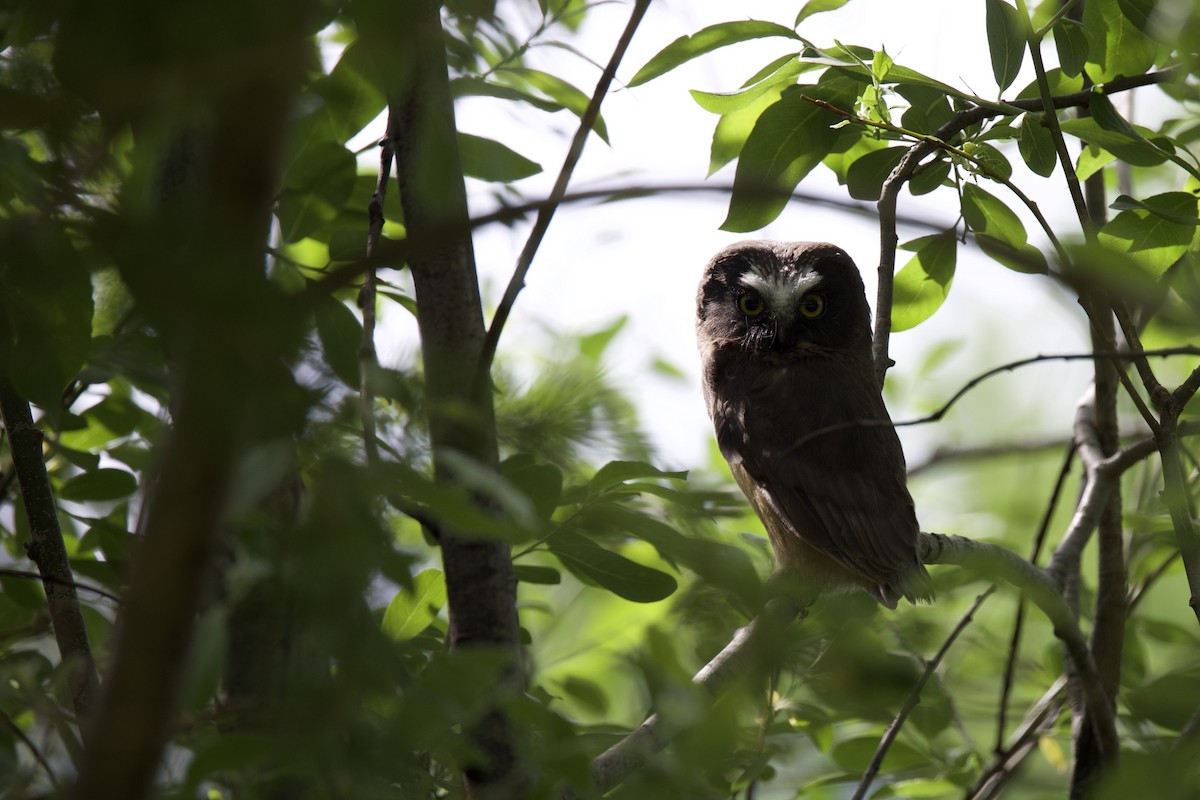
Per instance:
{"type": "Point", "coordinates": [541, 483]}
{"type": "Point", "coordinates": [1037, 145]}
{"type": "Point", "coordinates": [618, 472]}
{"type": "Point", "coordinates": [560, 92]}
{"type": "Point", "coordinates": [1153, 238]}
{"type": "Point", "coordinates": [921, 285]}
{"type": "Point", "coordinates": [789, 139]}
{"type": "Point", "coordinates": [1006, 42]}
{"type": "Point", "coordinates": [352, 100]}
{"type": "Point", "coordinates": [728, 102]}
{"type": "Point", "coordinates": [340, 333]}
{"type": "Point", "coordinates": [410, 612]}
{"type": "Point", "coordinates": [817, 7]}
{"type": "Point", "coordinates": [855, 754]}
{"type": "Point", "coordinates": [621, 576]}
{"type": "Point", "coordinates": [99, 485]}
{"type": "Point", "coordinates": [1118, 46]}
{"type": "Point", "coordinates": [991, 162]}
{"type": "Point", "coordinates": [685, 48]}
{"type": "Point", "coordinates": [1169, 700]}
{"type": "Point", "coordinates": [928, 108]}
{"type": "Point", "coordinates": [1163, 205]}
{"type": "Point", "coordinates": [490, 160]}
{"type": "Point", "coordinates": [929, 176]}
{"type": "Point", "coordinates": [999, 232]}
{"type": "Point", "coordinates": [867, 173]}
{"type": "Point", "coordinates": [1145, 149]}
{"type": "Point", "coordinates": [1073, 43]}
{"type": "Point", "coordinates": [735, 127]}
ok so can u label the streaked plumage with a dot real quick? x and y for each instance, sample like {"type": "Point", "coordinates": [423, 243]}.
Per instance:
{"type": "Point", "coordinates": [785, 342]}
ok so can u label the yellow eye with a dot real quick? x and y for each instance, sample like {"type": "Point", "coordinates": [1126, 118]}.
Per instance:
{"type": "Point", "coordinates": [751, 304]}
{"type": "Point", "coordinates": [812, 306]}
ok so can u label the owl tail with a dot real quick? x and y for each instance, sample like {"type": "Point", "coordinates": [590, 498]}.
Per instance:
{"type": "Point", "coordinates": [913, 584]}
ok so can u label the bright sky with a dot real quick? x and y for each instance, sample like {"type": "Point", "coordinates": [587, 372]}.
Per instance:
{"type": "Point", "coordinates": [643, 258]}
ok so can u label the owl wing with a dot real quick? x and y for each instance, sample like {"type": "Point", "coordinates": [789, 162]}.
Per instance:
{"type": "Point", "coordinates": [842, 492]}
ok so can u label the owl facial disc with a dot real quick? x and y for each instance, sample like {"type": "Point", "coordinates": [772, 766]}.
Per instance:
{"type": "Point", "coordinates": [783, 288]}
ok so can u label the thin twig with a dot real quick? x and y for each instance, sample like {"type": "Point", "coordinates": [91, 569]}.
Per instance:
{"type": "Point", "coordinates": [914, 697]}
{"type": "Point", "coordinates": [23, 573]}
{"type": "Point", "coordinates": [1010, 666]}
{"type": "Point", "coordinates": [546, 214]}
{"type": "Point", "coordinates": [33, 749]}
{"type": "Point", "coordinates": [368, 358]}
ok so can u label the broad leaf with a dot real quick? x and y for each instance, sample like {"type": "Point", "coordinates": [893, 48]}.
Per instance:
{"type": "Point", "coordinates": [618, 574]}
{"type": "Point", "coordinates": [490, 160]}
{"type": "Point", "coordinates": [1153, 238]}
{"type": "Point", "coordinates": [1118, 46]}
{"type": "Point", "coordinates": [1073, 43]}
{"type": "Point", "coordinates": [617, 472]}
{"type": "Point", "coordinates": [99, 485]}
{"type": "Point", "coordinates": [1037, 145]}
{"type": "Point", "coordinates": [685, 48]}
{"type": "Point", "coordinates": [789, 139]}
{"type": "Point", "coordinates": [558, 90]}
{"type": "Point", "coordinates": [866, 175]}
{"type": "Point", "coordinates": [1145, 149]}
{"type": "Point", "coordinates": [999, 231]}
{"type": "Point", "coordinates": [1006, 42]}
{"type": "Point", "coordinates": [921, 285]}
{"type": "Point", "coordinates": [340, 333]}
{"type": "Point", "coordinates": [410, 612]}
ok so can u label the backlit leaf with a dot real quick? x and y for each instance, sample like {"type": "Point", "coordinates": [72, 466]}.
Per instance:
{"type": "Point", "coordinates": [1006, 42]}
{"type": "Point", "coordinates": [685, 48]}
{"type": "Point", "coordinates": [1037, 145]}
{"type": "Point", "coordinates": [410, 612]}
{"type": "Point", "coordinates": [921, 285]}
{"type": "Point", "coordinates": [99, 485]}
{"type": "Point", "coordinates": [1153, 238]}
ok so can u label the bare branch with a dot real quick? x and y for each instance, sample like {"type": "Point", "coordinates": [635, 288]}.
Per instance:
{"type": "Point", "coordinates": [368, 359]}
{"type": "Point", "coordinates": [914, 697]}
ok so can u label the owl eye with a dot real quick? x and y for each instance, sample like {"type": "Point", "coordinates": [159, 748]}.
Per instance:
{"type": "Point", "coordinates": [751, 304]}
{"type": "Point", "coordinates": [812, 306]}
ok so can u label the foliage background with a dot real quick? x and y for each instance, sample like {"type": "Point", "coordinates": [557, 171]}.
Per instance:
{"type": "Point", "coordinates": [318, 662]}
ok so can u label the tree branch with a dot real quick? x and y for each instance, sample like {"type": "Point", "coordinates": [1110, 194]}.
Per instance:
{"type": "Point", "coordinates": [47, 550]}
{"type": "Point", "coordinates": [546, 213]}
{"type": "Point", "coordinates": [368, 359]}
{"type": "Point", "coordinates": [914, 697]}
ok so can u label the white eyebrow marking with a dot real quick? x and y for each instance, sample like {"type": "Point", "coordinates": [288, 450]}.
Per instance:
{"type": "Point", "coordinates": [780, 288]}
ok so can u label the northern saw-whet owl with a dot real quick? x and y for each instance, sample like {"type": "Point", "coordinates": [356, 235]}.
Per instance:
{"type": "Point", "coordinates": [785, 344]}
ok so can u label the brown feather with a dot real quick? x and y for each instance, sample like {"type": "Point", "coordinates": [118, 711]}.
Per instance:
{"type": "Point", "coordinates": [803, 425]}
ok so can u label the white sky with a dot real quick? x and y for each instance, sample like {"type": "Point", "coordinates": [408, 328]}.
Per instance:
{"type": "Point", "coordinates": [643, 258]}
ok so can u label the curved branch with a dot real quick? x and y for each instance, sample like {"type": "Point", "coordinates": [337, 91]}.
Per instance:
{"type": "Point", "coordinates": [1042, 590]}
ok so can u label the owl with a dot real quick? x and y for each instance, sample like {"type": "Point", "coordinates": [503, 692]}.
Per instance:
{"type": "Point", "coordinates": [785, 345]}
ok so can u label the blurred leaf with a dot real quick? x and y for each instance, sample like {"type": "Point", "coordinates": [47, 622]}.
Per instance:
{"type": "Point", "coordinates": [541, 483]}
{"type": "Point", "coordinates": [547, 576]}
{"type": "Point", "coordinates": [1169, 700]}
{"type": "Point", "coordinates": [1149, 237]}
{"type": "Point", "coordinates": [489, 160]}
{"type": "Point", "coordinates": [921, 285]}
{"type": "Point", "coordinates": [617, 472]}
{"type": "Point", "coordinates": [593, 345]}
{"type": "Point", "coordinates": [410, 612]}
{"type": "Point", "coordinates": [1118, 47]}
{"type": "Point", "coordinates": [560, 92]}
{"type": "Point", "coordinates": [1163, 205]}
{"type": "Point", "coordinates": [341, 336]}
{"type": "Point", "coordinates": [99, 485]}
{"type": "Point", "coordinates": [685, 48]}
{"type": "Point", "coordinates": [1006, 42]}
{"type": "Point", "coordinates": [855, 754]}
{"type": "Point", "coordinates": [1174, 774]}
{"type": "Point", "coordinates": [1037, 145]}
{"type": "Point", "coordinates": [622, 577]}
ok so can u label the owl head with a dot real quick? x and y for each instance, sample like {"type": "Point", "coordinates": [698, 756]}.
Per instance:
{"type": "Point", "coordinates": [783, 298]}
